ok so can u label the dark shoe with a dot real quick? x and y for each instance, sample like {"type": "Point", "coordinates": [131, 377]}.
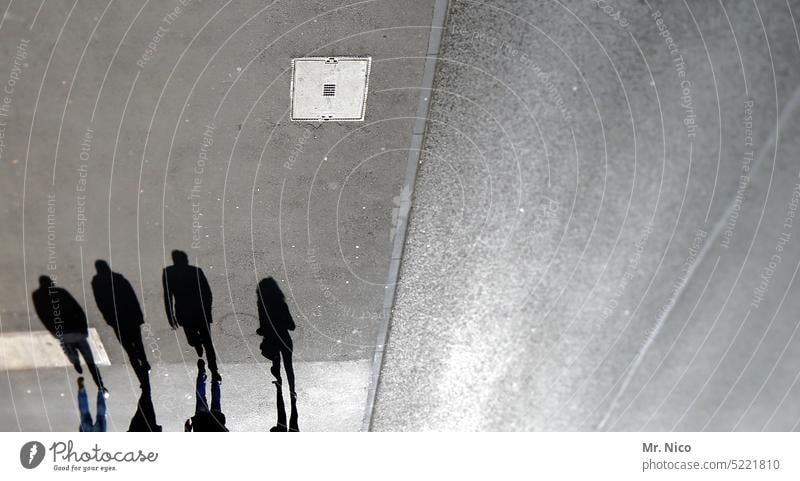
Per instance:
{"type": "Point", "coordinates": [80, 383]}
{"type": "Point", "coordinates": [78, 368]}
{"type": "Point", "coordinates": [278, 429]}
{"type": "Point", "coordinates": [216, 377]}
{"type": "Point", "coordinates": [199, 349]}
{"type": "Point", "coordinates": [201, 365]}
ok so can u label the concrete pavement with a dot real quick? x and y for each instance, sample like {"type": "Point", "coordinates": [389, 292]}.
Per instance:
{"type": "Point", "coordinates": [580, 159]}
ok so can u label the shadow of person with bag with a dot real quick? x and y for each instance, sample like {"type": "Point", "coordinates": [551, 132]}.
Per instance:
{"type": "Point", "coordinates": [275, 321]}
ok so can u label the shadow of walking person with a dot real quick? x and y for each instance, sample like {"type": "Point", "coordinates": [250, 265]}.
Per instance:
{"type": "Point", "coordinates": [206, 418]}
{"type": "Point", "coordinates": [120, 308]}
{"type": "Point", "coordinates": [65, 319]}
{"type": "Point", "coordinates": [144, 420]}
{"type": "Point", "coordinates": [187, 301]}
{"type": "Point", "coordinates": [275, 321]}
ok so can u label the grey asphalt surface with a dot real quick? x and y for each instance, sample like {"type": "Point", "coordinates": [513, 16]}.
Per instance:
{"type": "Point", "coordinates": [134, 120]}
{"type": "Point", "coordinates": [581, 253]}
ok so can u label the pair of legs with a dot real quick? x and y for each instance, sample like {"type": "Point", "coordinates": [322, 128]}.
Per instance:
{"type": "Point", "coordinates": [144, 420]}
{"type": "Point", "coordinates": [76, 345]}
{"type": "Point", "coordinates": [206, 418]}
{"type": "Point", "coordinates": [87, 425]}
{"type": "Point", "coordinates": [134, 347]}
{"type": "Point", "coordinates": [201, 402]}
{"type": "Point", "coordinates": [199, 337]}
{"type": "Point", "coordinates": [286, 354]}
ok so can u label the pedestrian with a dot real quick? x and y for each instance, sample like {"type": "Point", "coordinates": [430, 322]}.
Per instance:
{"type": "Point", "coordinates": [100, 424]}
{"type": "Point", "coordinates": [206, 418]}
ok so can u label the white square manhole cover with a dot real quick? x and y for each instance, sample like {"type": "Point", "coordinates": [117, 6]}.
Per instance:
{"type": "Point", "coordinates": [329, 88]}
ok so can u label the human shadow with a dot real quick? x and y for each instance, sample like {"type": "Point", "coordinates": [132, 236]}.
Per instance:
{"type": "Point", "coordinates": [144, 420]}
{"type": "Point", "coordinates": [120, 308]}
{"type": "Point", "coordinates": [65, 319]}
{"type": "Point", "coordinates": [275, 321]}
{"type": "Point", "coordinates": [187, 302]}
{"type": "Point", "coordinates": [207, 418]}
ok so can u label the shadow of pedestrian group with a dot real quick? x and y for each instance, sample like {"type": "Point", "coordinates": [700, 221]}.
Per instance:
{"type": "Point", "coordinates": [188, 304]}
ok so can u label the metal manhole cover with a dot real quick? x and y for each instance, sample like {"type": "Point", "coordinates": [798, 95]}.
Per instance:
{"type": "Point", "coordinates": [330, 88]}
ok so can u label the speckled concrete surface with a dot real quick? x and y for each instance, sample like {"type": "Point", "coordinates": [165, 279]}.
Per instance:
{"type": "Point", "coordinates": [728, 357]}
{"type": "Point", "coordinates": [578, 158]}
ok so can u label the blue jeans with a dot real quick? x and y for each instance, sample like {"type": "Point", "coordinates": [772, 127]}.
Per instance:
{"type": "Point", "coordinates": [87, 425]}
{"type": "Point", "coordinates": [201, 404]}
